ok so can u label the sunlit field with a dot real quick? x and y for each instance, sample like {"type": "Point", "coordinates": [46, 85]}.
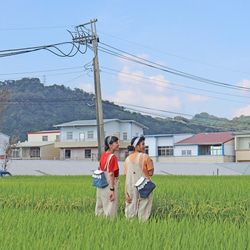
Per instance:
{"type": "Point", "coordinates": [189, 212]}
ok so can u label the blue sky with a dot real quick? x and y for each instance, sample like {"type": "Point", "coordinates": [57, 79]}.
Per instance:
{"type": "Point", "coordinates": [209, 39]}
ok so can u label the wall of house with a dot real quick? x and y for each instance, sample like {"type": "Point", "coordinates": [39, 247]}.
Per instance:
{"type": "Point", "coordinates": [76, 131]}
{"type": "Point", "coordinates": [37, 137]}
{"type": "Point", "coordinates": [229, 148]}
{"type": "Point", "coordinates": [153, 142]}
{"type": "Point", "coordinates": [194, 159]}
{"type": "Point", "coordinates": [179, 148]}
{"type": "Point", "coordinates": [4, 140]}
{"type": "Point", "coordinates": [178, 138]}
{"type": "Point", "coordinates": [242, 155]}
{"type": "Point", "coordinates": [49, 152]}
{"type": "Point", "coordinates": [242, 142]}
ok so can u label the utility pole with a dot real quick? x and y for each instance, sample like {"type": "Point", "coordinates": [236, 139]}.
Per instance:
{"type": "Point", "coordinates": [83, 37]}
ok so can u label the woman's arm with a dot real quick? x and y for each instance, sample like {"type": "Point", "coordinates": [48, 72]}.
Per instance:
{"type": "Point", "coordinates": [111, 186]}
{"type": "Point", "coordinates": [128, 199]}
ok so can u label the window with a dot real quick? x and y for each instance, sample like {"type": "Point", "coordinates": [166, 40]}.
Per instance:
{"type": "Point", "coordinates": [57, 137]}
{"type": "Point", "coordinates": [90, 134]}
{"type": "Point", "coordinates": [125, 136]}
{"type": "Point", "coordinates": [69, 135]}
{"type": "Point", "coordinates": [186, 152]}
{"type": "Point", "coordinates": [165, 151]}
{"type": "Point", "coordinates": [67, 154]}
{"type": "Point", "coordinates": [81, 137]}
{"type": "Point", "coordinates": [146, 150]}
{"type": "Point", "coordinates": [45, 138]}
{"type": "Point", "coordinates": [15, 153]}
{"type": "Point", "coordinates": [87, 153]}
{"type": "Point", "coordinates": [216, 150]}
{"type": "Point", "coordinates": [210, 150]}
{"type": "Point", "coordinates": [35, 152]}
{"type": "Point", "coordinates": [204, 150]}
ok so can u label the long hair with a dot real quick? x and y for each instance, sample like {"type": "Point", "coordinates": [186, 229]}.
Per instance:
{"type": "Point", "coordinates": [109, 140]}
{"type": "Point", "coordinates": [140, 138]}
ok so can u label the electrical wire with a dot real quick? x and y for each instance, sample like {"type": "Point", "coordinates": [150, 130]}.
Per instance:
{"type": "Point", "coordinates": [128, 56]}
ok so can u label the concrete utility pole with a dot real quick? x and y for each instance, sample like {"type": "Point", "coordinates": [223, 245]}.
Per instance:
{"type": "Point", "coordinates": [83, 38]}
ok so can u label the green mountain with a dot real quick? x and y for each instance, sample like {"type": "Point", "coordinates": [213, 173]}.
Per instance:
{"type": "Point", "coordinates": [35, 107]}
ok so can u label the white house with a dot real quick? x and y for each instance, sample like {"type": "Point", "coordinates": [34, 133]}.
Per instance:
{"type": "Point", "coordinates": [78, 139]}
{"type": "Point", "coordinates": [160, 147]}
{"type": "Point", "coordinates": [39, 146]}
{"type": "Point", "coordinates": [242, 146]}
{"type": "Point", "coordinates": [4, 141]}
{"type": "Point", "coordinates": [206, 148]}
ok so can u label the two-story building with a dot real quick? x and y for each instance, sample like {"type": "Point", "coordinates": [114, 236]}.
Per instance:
{"type": "Point", "coordinates": [78, 139]}
{"type": "Point", "coordinates": [242, 146]}
{"type": "Point", "coordinates": [39, 146]}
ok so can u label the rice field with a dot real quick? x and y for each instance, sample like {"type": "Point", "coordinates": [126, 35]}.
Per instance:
{"type": "Point", "coordinates": [189, 212]}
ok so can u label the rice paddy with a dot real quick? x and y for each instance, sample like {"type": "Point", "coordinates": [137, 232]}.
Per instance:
{"type": "Point", "coordinates": [189, 212]}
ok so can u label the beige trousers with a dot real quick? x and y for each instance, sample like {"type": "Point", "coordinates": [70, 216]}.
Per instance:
{"type": "Point", "coordinates": [140, 207]}
{"type": "Point", "coordinates": [103, 205]}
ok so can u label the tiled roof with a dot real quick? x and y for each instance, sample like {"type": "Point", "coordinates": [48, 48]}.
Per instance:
{"type": "Point", "coordinates": [208, 138]}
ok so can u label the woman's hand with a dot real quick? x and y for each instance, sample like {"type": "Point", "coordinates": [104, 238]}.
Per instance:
{"type": "Point", "coordinates": [112, 196]}
{"type": "Point", "coordinates": [128, 199]}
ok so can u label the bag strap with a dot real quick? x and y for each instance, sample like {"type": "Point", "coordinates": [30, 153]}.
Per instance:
{"type": "Point", "coordinates": [142, 163]}
{"type": "Point", "coordinates": [107, 162]}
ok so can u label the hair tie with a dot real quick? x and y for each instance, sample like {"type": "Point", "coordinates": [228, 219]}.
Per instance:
{"type": "Point", "coordinates": [136, 141]}
{"type": "Point", "coordinates": [109, 139]}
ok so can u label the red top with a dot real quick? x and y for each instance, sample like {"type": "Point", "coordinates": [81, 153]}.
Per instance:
{"type": "Point", "coordinates": [113, 163]}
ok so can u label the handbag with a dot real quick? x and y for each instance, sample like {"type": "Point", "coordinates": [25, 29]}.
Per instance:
{"type": "Point", "coordinates": [144, 185]}
{"type": "Point", "coordinates": [99, 179]}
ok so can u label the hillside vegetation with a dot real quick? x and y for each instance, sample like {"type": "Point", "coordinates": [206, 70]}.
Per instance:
{"type": "Point", "coordinates": [35, 107]}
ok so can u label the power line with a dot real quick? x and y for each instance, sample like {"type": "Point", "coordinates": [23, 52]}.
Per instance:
{"type": "Point", "coordinates": [173, 55]}
{"type": "Point", "coordinates": [140, 60]}
{"type": "Point", "coordinates": [178, 85]}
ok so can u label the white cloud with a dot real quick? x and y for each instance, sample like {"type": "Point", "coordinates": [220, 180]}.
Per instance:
{"type": "Point", "coordinates": [146, 91]}
{"type": "Point", "coordinates": [242, 111]}
{"type": "Point", "coordinates": [87, 87]}
{"type": "Point", "coordinates": [197, 98]}
{"type": "Point", "coordinates": [245, 83]}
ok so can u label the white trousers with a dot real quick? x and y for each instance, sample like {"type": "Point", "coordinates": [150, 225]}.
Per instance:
{"type": "Point", "coordinates": [103, 205]}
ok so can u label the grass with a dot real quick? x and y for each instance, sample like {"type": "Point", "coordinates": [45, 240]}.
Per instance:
{"type": "Point", "coordinates": [189, 212]}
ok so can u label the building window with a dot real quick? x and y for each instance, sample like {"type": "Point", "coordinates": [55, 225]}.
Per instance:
{"type": "Point", "coordinates": [45, 138]}
{"type": "Point", "coordinates": [81, 137]}
{"type": "Point", "coordinates": [90, 134]}
{"type": "Point", "coordinates": [67, 154]}
{"type": "Point", "coordinates": [34, 152]}
{"type": "Point", "coordinates": [87, 153]}
{"type": "Point", "coordinates": [146, 150]}
{"type": "Point", "coordinates": [69, 135]}
{"type": "Point", "coordinates": [210, 150]}
{"type": "Point", "coordinates": [216, 150]}
{"type": "Point", "coordinates": [15, 153]}
{"type": "Point", "coordinates": [186, 152]}
{"type": "Point", "coordinates": [165, 151]}
{"type": "Point", "coordinates": [125, 136]}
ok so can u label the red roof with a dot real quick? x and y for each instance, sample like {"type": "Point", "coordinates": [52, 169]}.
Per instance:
{"type": "Point", "coordinates": [208, 138]}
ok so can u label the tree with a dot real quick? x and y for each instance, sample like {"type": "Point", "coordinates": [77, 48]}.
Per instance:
{"type": "Point", "coordinates": [4, 97]}
{"type": "Point", "coordinates": [7, 152]}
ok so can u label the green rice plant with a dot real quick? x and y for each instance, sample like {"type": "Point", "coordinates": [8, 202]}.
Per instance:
{"type": "Point", "coordinates": [189, 212]}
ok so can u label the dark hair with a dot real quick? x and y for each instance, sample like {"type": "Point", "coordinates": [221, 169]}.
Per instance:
{"type": "Point", "coordinates": [131, 147]}
{"type": "Point", "coordinates": [110, 140]}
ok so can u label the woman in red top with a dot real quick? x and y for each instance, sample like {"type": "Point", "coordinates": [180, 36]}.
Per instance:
{"type": "Point", "coordinates": [107, 197]}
